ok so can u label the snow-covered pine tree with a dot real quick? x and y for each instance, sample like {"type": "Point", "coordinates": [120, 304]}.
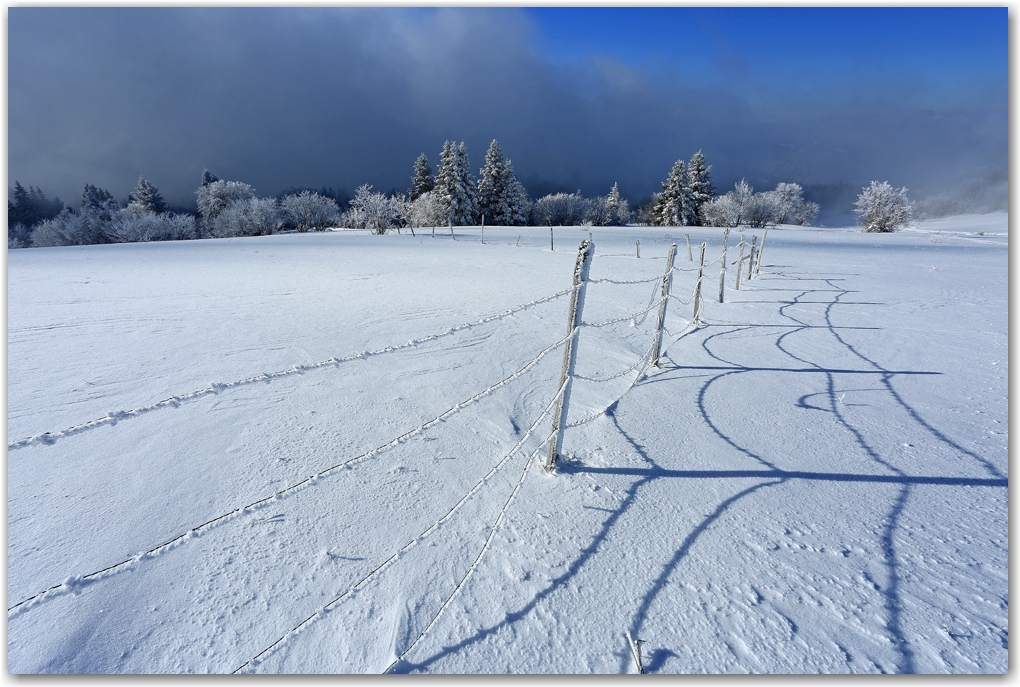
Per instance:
{"type": "Point", "coordinates": [669, 204]}
{"type": "Point", "coordinates": [422, 180]}
{"type": "Point", "coordinates": [208, 177]}
{"type": "Point", "coordinates": [517, 203]}
{"type": "Point", "coordinates": [492, 185]}
{"type": "Point", "coordinates": [455, 186]}
{"type": "Point", "coordinates": [146, 199]}
{"type": "Point", "coordinates": [699, 181]}
{"type": "Point", "coordinates": [466, 210]}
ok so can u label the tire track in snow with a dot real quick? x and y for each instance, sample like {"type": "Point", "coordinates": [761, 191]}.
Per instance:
{"type": "Point", "coordinates": [112, 418]}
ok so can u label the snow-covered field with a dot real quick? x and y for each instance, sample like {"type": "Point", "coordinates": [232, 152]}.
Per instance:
{"type": "Point", "coordinates": [813, 480]}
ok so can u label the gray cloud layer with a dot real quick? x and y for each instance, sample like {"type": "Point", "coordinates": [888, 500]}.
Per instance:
{"type": "Point", "coordinates": [346, 96]}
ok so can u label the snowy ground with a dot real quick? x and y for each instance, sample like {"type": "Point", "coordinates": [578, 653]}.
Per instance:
{"type": "Point", "coordinates": [814, 479]}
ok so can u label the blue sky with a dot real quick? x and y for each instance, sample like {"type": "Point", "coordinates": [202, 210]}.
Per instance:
{"type": "Point", "coordinates": [579, 98]}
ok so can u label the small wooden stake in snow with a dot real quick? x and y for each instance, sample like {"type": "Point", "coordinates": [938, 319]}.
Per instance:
{"type": "Point", "coordinates": [697, 289]}
{"type": "Point", "coordinates": [451, 226]}
{"type": "Point", "coordinates": [585, 252]}
{"type": "Point", "coordinates": [635, 651]}
{"type": "Point", "coordinates": [667, 283]}
{"type": "Point", "coordinates": [483, 228]}
{"type": "Point", "coordinates": [757, 262]}
{"type": "Point", "coordinates": [637, 247]}
{"type": "Point", "coordinates": [722, 271]}
{"type": "Point", "coordinates": [750, 256]}
{"type": "Point", "coordinates": [551, 239]}
{"type": "Point", "coordinates": [690, 255]}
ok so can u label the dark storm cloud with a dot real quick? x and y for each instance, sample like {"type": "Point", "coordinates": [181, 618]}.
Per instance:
{"type": "Point", "coordinates": [343, 96]}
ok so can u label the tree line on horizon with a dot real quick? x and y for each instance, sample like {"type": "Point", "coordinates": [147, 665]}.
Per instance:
{"type": "Point", "coordinates": [451, 196]}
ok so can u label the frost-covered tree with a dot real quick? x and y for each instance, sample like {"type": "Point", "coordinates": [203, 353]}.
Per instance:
{"type": "Point", "coordinates": [214, 197]}
{"type": "Point", "coordinates": [98, 207]}
{"type": "Point", "coordinates": [455, 186]}
{"type": "Point", "coordinates": [699, 181]}
{"type": "Point", "coordinates": [881, 208]}
{"type": "Point", "coordinates": [492, 184]}
{"type": "Point", "coordinates": [675, 205]}
{"type": "Point", "coordinates": [208, 177]}
{"type": "Point", "coordinates": [26, 208]}
{"type": "Point", "coordinates": [129, 226]}
{"type": "Point", "coordinates": [720, 211]}
{"type": "Point", "coordinates": [372, 211]}
{"type": "Point", "coordinates": [18, 236]}
{"type": "Point", "coordinates": [422, 180]}
{"type": "Point", "coordinates": [146, 199]}
{"type": "Point", "coordinates": [308, 210]}
{"type": "Point", "coordinates": [561, 209]}
{"type": "Point", "coordinates": [792, 208]}
{"type": "Point", "coordinates": [501, 198]}
{"type": "Point", "coordinates": [250, 216]}
{"type": "Point", "coordinates": [66, 229]}
{"type": "Point", "coordinates": [618, 208]}
{"type": "Point", "coordinates": [427, 210]}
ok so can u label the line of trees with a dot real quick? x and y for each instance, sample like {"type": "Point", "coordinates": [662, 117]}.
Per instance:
{"type": "Point", "coordinates": [450, 196]}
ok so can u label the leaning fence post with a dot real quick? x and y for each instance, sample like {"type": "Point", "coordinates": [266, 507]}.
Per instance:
{"type": "Point", "coordinates": [697, 289]}
{"type": "Point", "coordinates": [757, 262]}
{"type": "Point", "coordinates": [585, 252]}
{"type": "Point", "coordinates": [637, 246]}
{"type": "Point", "coordinates": [635, 651]}
{"type": "Point", "coordinates": [690, 255]}
{"type": "Point", "coordinates": [451, 226]}
{"type": "Point", "coordinates": [722, 272]}
{"type": "Point", "coordinates": [750, 256]}
{"type": "Point", "coordinates": [667, 283]}
{"type": "Point", "coordinates": [740, 262]}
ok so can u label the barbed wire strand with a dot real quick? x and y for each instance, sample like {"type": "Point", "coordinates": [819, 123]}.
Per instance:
{"type": "Point", "coordinates": [112, 418]}
{"type": "Point", "coordinates": [70, 583]}
{"type": "Point", "coordinates": [429, 530]}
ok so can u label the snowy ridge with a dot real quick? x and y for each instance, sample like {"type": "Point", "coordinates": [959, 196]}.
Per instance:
{"type": "Point", "coordinates": [49, 438]}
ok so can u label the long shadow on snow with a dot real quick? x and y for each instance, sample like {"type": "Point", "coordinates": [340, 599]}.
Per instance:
{"type": "Point", "coordinates": [583, 557]}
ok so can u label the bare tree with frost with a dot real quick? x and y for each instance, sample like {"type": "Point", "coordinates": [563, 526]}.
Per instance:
{"type": "Point", "coordinates": [372, 211]}
{"type": "Point", "coordinates": [215, 196]}
{"type": "Point", "coordinates": [881, 208]}
{"type": "Point", "coordinates": [561, 209]}
{"type": "Point", "coordinates": [310, 211]}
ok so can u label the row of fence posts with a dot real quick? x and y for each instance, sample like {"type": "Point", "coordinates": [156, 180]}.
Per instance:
{"type": "Point", "coordinates": [585, 253]}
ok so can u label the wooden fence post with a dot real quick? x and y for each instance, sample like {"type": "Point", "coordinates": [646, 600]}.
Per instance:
{"type": "Point", "coordinates": [690, 255]}
{"type": "Point", "coordinates": [697, 289]}
{"type": "Point", "coordinates": [635, 651]}
{"type": "Point", "coordinates": [451, 226]}
{"type": "Point", "coordinates": [585, 252]}
{"type": "Point", "coordinates": [667, 283]}
{"type": "Point", "coordinates": [740, 262]}
{"type": "Point", "coordinates": [722, 272]}
{"type": "Point", "coordinates": [483, 227]}
{"type": "Point", "coordinates": [551, 247]}
{"type": "Point", "coordinates": [750, 256]}
{"type": "Point", "coordinates": [637, 247]}
{"type": "Point", "coordinates": [757, 262]}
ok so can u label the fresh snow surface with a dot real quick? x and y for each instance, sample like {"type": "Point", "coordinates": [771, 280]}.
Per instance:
{"type": "Point", "coordinates": [324, 453]}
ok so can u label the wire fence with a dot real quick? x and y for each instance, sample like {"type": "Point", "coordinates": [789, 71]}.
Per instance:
{"type": "Point", "coordinates": [558, 406]}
